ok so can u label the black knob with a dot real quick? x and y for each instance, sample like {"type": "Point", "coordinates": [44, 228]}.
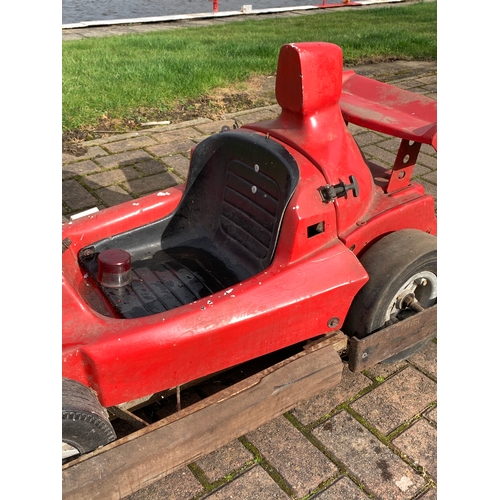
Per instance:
{"type": "Point", "coordinates": [330, 192]}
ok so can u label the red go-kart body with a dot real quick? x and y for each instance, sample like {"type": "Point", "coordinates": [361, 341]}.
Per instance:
{"type": "Point", "coordinates": [259, 250]}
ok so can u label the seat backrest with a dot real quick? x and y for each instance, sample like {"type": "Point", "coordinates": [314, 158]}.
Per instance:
{"type": "Point", "coordinates": [238, 187]}
{"type": "Point", "coordinates": [309, 77]}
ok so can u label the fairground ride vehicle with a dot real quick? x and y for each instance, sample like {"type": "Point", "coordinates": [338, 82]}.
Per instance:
{"type": "Point", "coordinates": [282, 232]}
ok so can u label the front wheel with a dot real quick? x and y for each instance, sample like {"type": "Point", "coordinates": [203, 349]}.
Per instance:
{"type": "Point", "coordinates": [85, 423]}
{"type": "Point", "coordinates": [402, 270]}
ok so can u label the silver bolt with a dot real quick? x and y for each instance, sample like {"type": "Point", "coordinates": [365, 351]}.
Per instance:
{"type": "Point", "coordinates": [333, 322]}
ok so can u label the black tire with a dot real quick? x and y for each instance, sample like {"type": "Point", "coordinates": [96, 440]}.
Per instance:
{"type": "Point", "coordinates": [85, 423]}
{"type": "Point", "coordinates": [396, 265]}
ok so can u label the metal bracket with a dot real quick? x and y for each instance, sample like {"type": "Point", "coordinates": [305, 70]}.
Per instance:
{"type": "Point", "coordinates": [402, 169]}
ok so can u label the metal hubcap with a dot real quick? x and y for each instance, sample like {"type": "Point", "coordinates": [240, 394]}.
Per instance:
{"type": "Point", "coordinates": [68, 450]}
{"type": "Point", "coordinates": [419, 292]}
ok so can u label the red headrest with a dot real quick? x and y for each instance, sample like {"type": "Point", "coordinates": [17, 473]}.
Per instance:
{"type": "Point", "coordinates": [309, 76]}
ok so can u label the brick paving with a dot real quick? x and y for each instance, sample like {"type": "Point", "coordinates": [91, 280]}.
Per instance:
{"type": "Point", "coordinates": [372, 436]}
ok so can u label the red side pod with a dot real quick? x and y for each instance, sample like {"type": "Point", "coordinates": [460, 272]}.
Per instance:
{"type": "Point", "coordinates": [126, 359]}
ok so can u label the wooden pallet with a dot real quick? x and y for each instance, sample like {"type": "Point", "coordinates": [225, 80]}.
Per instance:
{"type": "Point", "coordinates": [145, 456]}
{"type": "Point", "coordinates": [135, 461]}
{"type": "Point", "coordinates": [383, 344]}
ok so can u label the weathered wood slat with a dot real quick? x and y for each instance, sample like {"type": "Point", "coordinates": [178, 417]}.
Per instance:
{"type": "Point", "coordinates": [385, 343]}
{"type": "Point", "coordinates": [145, 456]}
{"type": "Point", "coordinates": [128, 416]}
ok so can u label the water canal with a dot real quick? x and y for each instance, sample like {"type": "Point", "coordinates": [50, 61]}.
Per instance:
{"type": "Point", "coordinates": [76, 11]}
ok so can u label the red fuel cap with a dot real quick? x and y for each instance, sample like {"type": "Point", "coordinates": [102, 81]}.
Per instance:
{"type": "Point", "coordinates": [114, 268]}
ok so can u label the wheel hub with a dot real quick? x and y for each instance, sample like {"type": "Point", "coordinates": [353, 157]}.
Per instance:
{"type": "Point", "coordinates": [68, 451]}
{"type": "Point", "coordinates": [417, 293]}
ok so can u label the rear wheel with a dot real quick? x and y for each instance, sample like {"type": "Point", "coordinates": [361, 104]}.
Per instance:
{"type": "Point", "coordinates": [85, 423]}
{"type": "Point", "coordinates": [403, 280]}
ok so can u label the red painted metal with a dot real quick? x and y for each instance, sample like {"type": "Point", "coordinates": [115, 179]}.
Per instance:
{"type": "Point", "coordinates": [216, 6]}
{"type": "Point", "coordinates": [345, 3]}
{"type": "Point", "coordinates": [315, 272]}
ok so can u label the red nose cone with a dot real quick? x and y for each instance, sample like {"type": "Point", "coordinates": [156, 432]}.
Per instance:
{"type": "Point", "coordinates": [114, 268]}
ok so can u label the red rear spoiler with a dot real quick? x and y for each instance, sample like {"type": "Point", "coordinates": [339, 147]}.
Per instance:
{"type": "Point", "coordinates": [387, 109]}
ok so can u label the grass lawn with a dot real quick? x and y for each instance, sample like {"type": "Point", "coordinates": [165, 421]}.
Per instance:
{"type": "Point", "coordinates": [134, 78]}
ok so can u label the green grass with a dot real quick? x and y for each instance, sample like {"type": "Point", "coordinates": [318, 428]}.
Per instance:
{"type": "Point", "coordinates": [118, 76]}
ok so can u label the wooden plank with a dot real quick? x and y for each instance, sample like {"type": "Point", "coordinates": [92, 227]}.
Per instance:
{"type": "Point", "coordinates": [145, 456]}
{"type": "Point", "coordinates": [128, 416]}
{"type": "Point", "coordinates": [392, 340]}
{"type": "Point", "coordinates": [338, 340]}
